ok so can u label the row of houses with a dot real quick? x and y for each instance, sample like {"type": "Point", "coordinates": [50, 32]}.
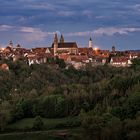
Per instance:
{"type": "Point", "coordinates": [70, 53]}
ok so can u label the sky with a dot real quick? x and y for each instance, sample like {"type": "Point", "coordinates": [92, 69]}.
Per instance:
{"type": "Point", "coordinates": [32, 23]}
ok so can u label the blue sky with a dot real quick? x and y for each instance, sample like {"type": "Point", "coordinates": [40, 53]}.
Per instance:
{"type": "Point", "coordinates": [32, 23]}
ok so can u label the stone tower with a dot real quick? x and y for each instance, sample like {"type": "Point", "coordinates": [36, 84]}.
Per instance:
{"type": "Point", "coordinates": [113, 49]}
{"type": "Point", "coordinates": [62, 39]}
{"type": "Point", "coordinates": [90, 43]}
{"type": "Point", "coordinates": [55, 44]}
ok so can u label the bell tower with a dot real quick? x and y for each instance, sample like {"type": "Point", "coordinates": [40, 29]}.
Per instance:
{"type": "Point", "coordinates": [62, 39]}
{"type": "Point", "coordinates": [90, 43]}
{"type": "Point", "coordinates": [113, 49]}
{"type": "Point", "coordinates": [55, 44]}
{"type": "Point", "coordinates": [10, 44]}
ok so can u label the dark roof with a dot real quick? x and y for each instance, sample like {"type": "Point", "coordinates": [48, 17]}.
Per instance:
{"type": "Point", "coordinates": [66, 45]}
{"type": "Point", "coordinates": [39, 50]}
{"type": "Point", "coordinates": [136, 51]}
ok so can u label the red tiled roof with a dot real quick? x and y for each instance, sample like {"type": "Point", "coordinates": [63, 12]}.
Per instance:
{"type": "Point", "coordinates": [64, 57]}
{"type": "Point", "coordinates": [79, 58]}
{"type": "Point", "coordinates": [4, 66]}
{"type": "Point", "coordinates": [39, 50]}
{"type": "Point", "coordinates": [83, 50]}
{"type": "Point", "coordinates": [119, 59]}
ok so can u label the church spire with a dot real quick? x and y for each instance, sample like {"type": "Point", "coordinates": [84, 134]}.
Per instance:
{"type": "Point", "coordinates": [55, 38]}
{"type": "Point", "coordinates": [10, 44]}
{"type": "Point", "coordinates": [55, 44]}
{"type": "Point", "coordinates": [90, 43]}
{"type": "Point", "coordinates": [61, 39]}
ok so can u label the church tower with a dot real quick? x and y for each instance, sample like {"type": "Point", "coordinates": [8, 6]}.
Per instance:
{"type": "Point", "coordinates": [113, 49]}
{"type": "Point", "coordinates": [90, 43]}
{"type": "Point", "coordinates": [55, 44]}
{"type": "Point", "coordinates": [10, 44]}
{"type": "Point", "coordinates": [18, 46]}
{"type": "Point", "coordinates": [62, 39]}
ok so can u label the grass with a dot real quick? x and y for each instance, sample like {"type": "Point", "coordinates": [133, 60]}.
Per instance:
{"type": "Point", "coordinates": [41, 135]}
{"type": "Point", "coordinates": [29, 136]}
{"type": "Point", "coordinates": [26, 124]}
{"type": "Point", "coordinates": [22, 130]}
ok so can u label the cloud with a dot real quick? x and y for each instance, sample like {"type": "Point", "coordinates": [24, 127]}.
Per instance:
{"type": "Point", "coordinates": [28, 29]}
{"type": "Point", "coordinates": [43, 6]}
{"type": "Point", "coordinates": [5, 27]}
{"type": "Point", "coordinates": [137, 7]}
{"type": "Point", "coordinates": [34, 34]}
{"type": "Point", "coordinates": [28, 33]}
{"type": "Point", "coordinates": [30, 20]}
{"type": "Point", "coordinates": [66, 13]}
{"type": "Point", "coordinates": [88, 13]}
{"type": "Point", "coordinates": [110, 31]}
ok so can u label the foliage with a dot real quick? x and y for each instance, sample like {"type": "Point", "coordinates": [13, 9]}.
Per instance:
{"type": "Point", "coordinates": [38, 123]}
{"type": "Point", "coordinates": [105, 98]}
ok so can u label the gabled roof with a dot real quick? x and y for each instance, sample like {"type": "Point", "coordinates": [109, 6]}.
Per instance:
{"type": "Point", "coordinates": [83, 50]}
{"type": "Point", "coordinates": [64, 56]}
{"type": "Point", "coordinates": [39, 50]}
{"type": "Point", "coordinates": [66, 45]}
{"type": "Point", "coordinates": [86, 51]}
{"type": "Point", "coordinates": [79, 58]}
{"type": "Point", "coordinates": [119, 59]}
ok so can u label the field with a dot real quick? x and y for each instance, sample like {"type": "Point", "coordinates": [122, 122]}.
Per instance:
{"type": "Point", "coordinates": [29, 136]}
{"type": "Point", "coordinates": [26, 124]}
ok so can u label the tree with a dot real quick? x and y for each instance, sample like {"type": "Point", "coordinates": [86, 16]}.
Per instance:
{"type": "Point", "coordinates": [60, 62]}
{"type": "Point", "coordinates": [38, 123]}
{"type": "Point", "coordinates": [93, 126]}
{"type": "Point", "coordinates": [4, 119]}
{"type": "Point", "coordinates": [135, 63]}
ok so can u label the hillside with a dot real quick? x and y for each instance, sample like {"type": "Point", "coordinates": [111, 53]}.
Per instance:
{"type": "Point", "coordinates": [103, 101]}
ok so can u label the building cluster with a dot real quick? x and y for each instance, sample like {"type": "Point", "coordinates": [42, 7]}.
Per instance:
{"type": "Point", "coordinates": [70, 53]}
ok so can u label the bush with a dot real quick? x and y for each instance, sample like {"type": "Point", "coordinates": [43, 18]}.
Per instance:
{"type": "Point", "coordinates": [38, 123]}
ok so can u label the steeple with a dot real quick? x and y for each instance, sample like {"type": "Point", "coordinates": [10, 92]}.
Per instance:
{"type": "Point", "coordinates": [90, 43]}
{"type": "Point", "coordinates": [55, 44]}
{"type": "Point", "coordinates": [62, 39]}
{"type": "Point", "coordinates": [113, 49]}
{"type": "Point", "coordinates": [18, 46]}
{"type": "Point", "coordinates": [10, 44]}
{"type": "Point", "coordinates": [55, 38]}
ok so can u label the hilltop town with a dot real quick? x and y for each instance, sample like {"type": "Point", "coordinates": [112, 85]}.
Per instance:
{"type": "Point", "coordinates": [70, 53]}
{"type": "Point", "coordinates": [69, 92]}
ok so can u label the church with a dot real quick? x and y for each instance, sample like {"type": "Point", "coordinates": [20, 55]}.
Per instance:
{"type": "Point", "coordinates": [61, 47]}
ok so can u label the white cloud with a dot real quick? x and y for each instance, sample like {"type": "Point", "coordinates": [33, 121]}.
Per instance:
{"type": "Point", "coordinates": [45, 5]}
{"type": "Point", "coordinates": [88, 13]}
{"type": "Point", "coordinates": [34, 34]}
{"type": "Point", "coordinates": [137, 7]}
{"type": "Point", "coordinates": [5, 27]}
{"type": "Point", "coordinates": [110, 31]}
{"type": "Point", "coordinates": [28, 33]}
{"type": "Point", "coordinates": [28, 29]}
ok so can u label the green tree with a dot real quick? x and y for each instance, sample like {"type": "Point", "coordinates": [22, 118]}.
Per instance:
{"type": "Point", "coordinates": [93, 126]}
{"type": "Point", "coordinates": [4, 119]}
{"type": "Point", "coordinates": [135, 63]}
{"type": "Point", "coordinates": [38, 123]}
